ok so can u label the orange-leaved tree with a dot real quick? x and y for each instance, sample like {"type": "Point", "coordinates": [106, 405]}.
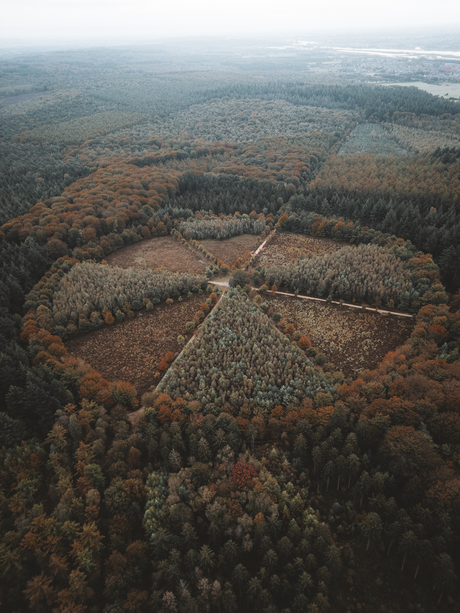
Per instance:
{"type": "Point", "coordinates": [124, 393]}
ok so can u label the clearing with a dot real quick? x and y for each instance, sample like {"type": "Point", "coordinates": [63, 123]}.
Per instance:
{"type": "Point", "coordinates": [351, 339]}
{"type": "Point", "coordinates": [287, 245]}
{"type": "Point", "coordinates": [131, 350]}
{"type": "Point", "coordinates": [164, 252]}
{"type": "Point", "coordinates": [230, 249]}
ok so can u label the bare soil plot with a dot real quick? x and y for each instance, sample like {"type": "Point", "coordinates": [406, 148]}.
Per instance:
{"type": "Point", "coordinates": [231, 249]}
{"type": "Point", "coordinates": [351, 339]}
{"type": "Point", "coordinates": [287, 245]}
{"type": "Point", "coordinates": [131, 350]}
{"type": "Point", "coordinates": [164, 252]}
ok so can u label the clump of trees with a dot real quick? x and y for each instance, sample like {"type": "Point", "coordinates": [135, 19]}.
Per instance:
{"type": "Point", "coordinates": [221, 228]}
{"type": "Point", "coordinates": [91, 290]}
{"type": "Point", "coordinates": [81, 129]}
{"type": "Point", "coordinates": [375, 102]}
{"type": "Point", "coordinates": [298, 217]}
{"type": "Point", "coordinates": [239, 542]}
{"type": "Point", "coordinates": [407, 176]}
{"type": "Point", "coordinates": [367, 273]}
{"type": "Point", "coordinates": [227, 194]}
{"type": "Point", "coordinates": [99, 214]}
{"type": "Point", "coordinates": [418, 140]}
{"type": "Point", "coordinates": [240, 357]}
{"type": "Point", "coordinates": [242, 120]}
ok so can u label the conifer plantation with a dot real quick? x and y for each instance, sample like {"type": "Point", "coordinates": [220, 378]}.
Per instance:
{"type": "Point", "coordinates": [252, 466]}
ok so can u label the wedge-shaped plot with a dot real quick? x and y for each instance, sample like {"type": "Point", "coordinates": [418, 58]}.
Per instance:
{"type": "Point", "coordinates": [239, 357]}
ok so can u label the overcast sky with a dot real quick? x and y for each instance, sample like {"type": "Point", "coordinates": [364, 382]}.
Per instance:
{"type": "Point", "coordinates": [58, 20]}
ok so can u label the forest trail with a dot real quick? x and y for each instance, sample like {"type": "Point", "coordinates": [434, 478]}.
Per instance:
{"type": "Point", "coordinates": [136, 414]}
{"type": "Point", "coordinates": [346, 304]}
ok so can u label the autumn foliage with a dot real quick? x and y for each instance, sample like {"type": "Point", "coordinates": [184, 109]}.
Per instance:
{"type": "Point", "coordinates": [242, 474]}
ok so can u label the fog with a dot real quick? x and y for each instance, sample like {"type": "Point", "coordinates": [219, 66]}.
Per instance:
{"type": "Point", "coordinates": [48, 21]}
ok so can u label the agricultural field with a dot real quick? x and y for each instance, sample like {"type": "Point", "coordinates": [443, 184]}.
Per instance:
{"type": "Point", "coordinates": [131, 350]}
{"type": "Point", "coordinates": [283, 247]}
{"type": "Point", "coordinates": [351, 339]}
{"type": "Point", "coordinates": [164, 252]}
{"type": "Point", "coordinates": [232, 248]}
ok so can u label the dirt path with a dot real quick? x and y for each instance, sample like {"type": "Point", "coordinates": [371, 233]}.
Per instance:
{"type": "Point", "coordinates": [262, 246]}
{"type": "Point", "coordinates": [225, 284]}
{"type": "Point", "coordinates": [346, 304]}
{"type": "Point", "coordinates": [134, 416]}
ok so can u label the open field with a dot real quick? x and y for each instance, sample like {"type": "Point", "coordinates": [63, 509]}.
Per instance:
{"type": "Point", "coordinates": [230, 249]}
{"type": "Point", "coordinates": [287, 245]}
{"type": "Point", "coordinates": [163, 252]}
{"type": "Point", "coordinates": [132, 349]}
{"type": "Point", "coordinates": [351, 339]}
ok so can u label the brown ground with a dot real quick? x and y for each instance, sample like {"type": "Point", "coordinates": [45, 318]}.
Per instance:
{"type": "Point", "coordinates": [132, 349]}
{"type": "Point", "coordinates": [230, 249]}
{"type": "Point", "coordinates": [351, 339]}
{"type": "Point", "coordinates": [163, 252]}
{"type": "Point", "coordinates": [286, 245]}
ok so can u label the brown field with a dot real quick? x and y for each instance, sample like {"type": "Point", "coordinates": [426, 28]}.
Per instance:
{"type": "Point", "coordinates": [230, 249]}
{"type": "Point", "coordinates": [351, 339]}
{"type": "Point", "coordinates": [132, 349]}
{"type": "Point", "coordinates": [163, 252]}
{"type": "Point", "coordinates": [287, 245]}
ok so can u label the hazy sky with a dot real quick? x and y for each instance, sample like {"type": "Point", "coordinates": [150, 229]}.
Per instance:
{"type": "Point", "coordinates": [58, 20]}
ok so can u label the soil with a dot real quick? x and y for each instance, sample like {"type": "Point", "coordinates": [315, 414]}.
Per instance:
{"type": "Point", "coordinates": [351, 339]}
{"type": "Point", "coordinates": [286, 245]}
{"type": "Point", "coordinates": [230, 249]}
{"type": "Point", "coordinates": [131, 350]}
{"type": "Point", "coordinates": [161, 252]}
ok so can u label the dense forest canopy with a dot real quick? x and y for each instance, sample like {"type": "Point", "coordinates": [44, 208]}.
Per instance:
{"type": "Point", "coordinates": [253, 475]}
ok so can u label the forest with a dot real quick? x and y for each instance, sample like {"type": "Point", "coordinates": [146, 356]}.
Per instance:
{"type": "Point", "coordinates": [260, 461]}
